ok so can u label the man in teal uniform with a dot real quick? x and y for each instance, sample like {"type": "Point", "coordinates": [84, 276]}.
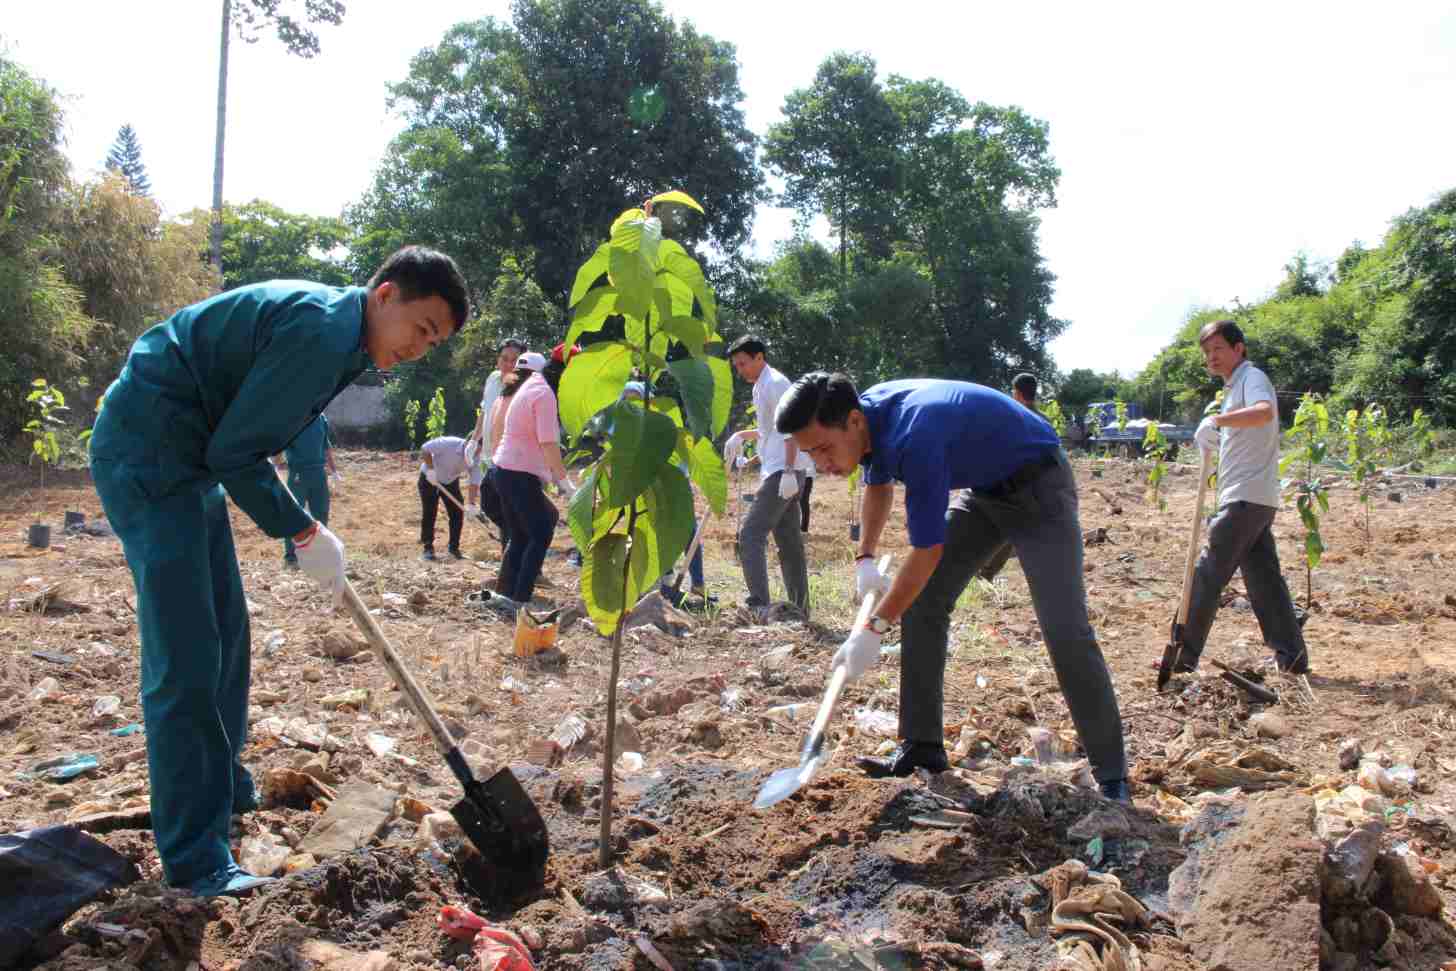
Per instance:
{"type": "Point", "coordinates": [203, 399]}
{"type": "Point", "coordinates": [308, 458]}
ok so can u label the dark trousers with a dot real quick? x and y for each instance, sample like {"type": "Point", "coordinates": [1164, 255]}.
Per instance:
{"type": "Point", "coordinates": [490, 504]}
{"type": "Point", "coordinates": [996, 563]}
{"type": "Point", "coordinates": [804, 500]}
{"type": "Point", "coordinates": [430, 503]}
{"type": "Point", "coordinates": [1040, 521]}
{"type": "Point", "coordinates": [532, 518]}
{"type": "Point", "coordinates": [310, 487]}
{"type": "Point", "coordinates": [1240, 538]}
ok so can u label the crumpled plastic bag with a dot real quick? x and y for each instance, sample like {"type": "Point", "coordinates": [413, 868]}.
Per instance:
{"type": "Point", "coordinates": [1090, 916]}
{"type": "Point", "coordinates": [496, 948]}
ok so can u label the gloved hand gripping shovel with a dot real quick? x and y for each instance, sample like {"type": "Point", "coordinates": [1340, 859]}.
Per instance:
{"type": "Point", "coordinates": [673, 592]}
{"type": "Point", "coordinates": [785, 782]}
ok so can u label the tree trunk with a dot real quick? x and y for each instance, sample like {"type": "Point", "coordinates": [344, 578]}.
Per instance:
{"type": "Point", "coordinates": [609, 744]}
{"type": "Point", "coordinates": [222, 72]}
{"type": "Point", "coordinates": [843, 250]}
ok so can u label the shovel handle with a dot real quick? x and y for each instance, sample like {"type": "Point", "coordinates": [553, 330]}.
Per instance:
{"type": "Point", "coordinates": [841, 673]}
{"type": "Point", "coordinates": [1186, 600]}
{"type": "Point", "coordinates": [413, 693]}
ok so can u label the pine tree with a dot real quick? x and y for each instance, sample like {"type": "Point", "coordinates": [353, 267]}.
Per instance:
{"type": "Point", "coordinates": [126, 157]}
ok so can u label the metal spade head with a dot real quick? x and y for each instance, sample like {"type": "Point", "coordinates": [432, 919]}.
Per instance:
{"type": "Point", "coordinates": [785, 782]}
{"type": "Point", "coordinates": [1170, 654]}
{"type": "Point", "coordinates": [506, 827]}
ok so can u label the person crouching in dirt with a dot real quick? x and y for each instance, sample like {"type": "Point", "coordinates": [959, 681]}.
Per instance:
{"type": "Point", "coordinates": [202, 401]}
{"type": "Point", "coordinates": [443, 461]}
{"type": "Point", "coordinates": [1245, 436]}
{"type": "Point", "coordinates": [1011, 482]}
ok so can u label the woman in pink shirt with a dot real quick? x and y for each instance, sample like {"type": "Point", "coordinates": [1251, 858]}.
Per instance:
{"type": "Point", "coordinates": [527, 457]}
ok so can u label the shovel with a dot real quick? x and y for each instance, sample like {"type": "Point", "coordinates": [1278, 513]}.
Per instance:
{"type": "Point", "coordinates": [737, 517]}
{"type": "Point", "coordinates": [496, 814]}
{"type": "Point", "coordinates": [1175, 635]}
{"type": "Point", "coordinates": [785, 782]}
{"type": "Point", "coordinates": [673, 592]}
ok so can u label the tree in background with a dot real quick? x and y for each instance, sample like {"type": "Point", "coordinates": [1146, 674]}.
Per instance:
{"type": "Point", "coordinates": [836, 151]}
{"type": "Point", "coordinates": [263, 242]}
{"type": "Point", "coordinates": [516, 308]}
{"type": "Point", "coordinates": [251, 18]}
{"type": "Point", "coordinates": [125, 158]}
{"type": "Point", "coordinates": [131, 267]}
{"type": "Point", "coordinates": [42, 324]}
{"type": "Point", "coordinates": [559, 120]}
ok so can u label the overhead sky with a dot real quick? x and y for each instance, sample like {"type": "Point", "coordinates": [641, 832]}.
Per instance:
{"type": "Point", "coordinates": [1200, 147]}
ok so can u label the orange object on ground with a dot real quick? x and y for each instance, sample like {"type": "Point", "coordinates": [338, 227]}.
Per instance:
{"type": "Point", "coordinates": [533, 636]}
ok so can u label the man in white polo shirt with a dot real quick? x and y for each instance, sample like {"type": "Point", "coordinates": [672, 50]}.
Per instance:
{"type": "Point", "coordinates": [776, 507]}
{"type": "Point", "coordinates": [1245, 434]}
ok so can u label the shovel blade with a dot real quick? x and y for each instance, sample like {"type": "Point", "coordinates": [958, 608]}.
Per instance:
{"type": "Point", "coordinates": [785, 782]}
{"type": "Point", "coordinates": [1170, 654]}
{"type": "Point", "coordinates": [506, 827]}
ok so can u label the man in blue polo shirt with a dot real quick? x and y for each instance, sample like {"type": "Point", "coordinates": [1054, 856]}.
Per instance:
{"type": "Point", "coordinates": [1011, 483]}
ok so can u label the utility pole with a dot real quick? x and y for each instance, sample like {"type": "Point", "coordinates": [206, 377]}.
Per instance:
{"type": "Point", "coordinates": [222, 73]}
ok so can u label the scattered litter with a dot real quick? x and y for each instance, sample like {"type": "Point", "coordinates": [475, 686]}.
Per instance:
{"type": "Point", "coordinates": [356, 698]}
{"type": "Point", "coordinates": [496, 948]}
{"type": "Point", "coordinates": [263, 854]}
{"type": "Point", "coordinates": [381, 745]}
{"type": "Point", "coordinates": [793, 712]}
{"type": "Point", "coordinates": [273, 642]}
{"type": "Point", "coordinates": [106, 705]}
{"type": "Point", "coordinates": [55, 657]}
{"type": "Point", "coordinates": [62, 767]}
{"type": "Point", "coordinates": [126, 730]}
{"type": "Point", "coordinates": [873, 721]}
{"type": "Point", "coordinates": [890, 650]}
{"type": "Point", "coordinates": [512, 684]}
{"type": "Point", "coordinates": [981, 681]}
{"type": "Point", "coordinates": [45, 688]}
{"type": "Point", "coordinates": [631, 762]}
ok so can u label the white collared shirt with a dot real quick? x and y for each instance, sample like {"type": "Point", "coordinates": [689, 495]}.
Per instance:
{"type": "Point", "coordinates": [1248, 458]}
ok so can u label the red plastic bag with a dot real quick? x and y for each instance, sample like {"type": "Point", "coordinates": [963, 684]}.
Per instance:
{"type": "Point", "coordinates": [496, 948]}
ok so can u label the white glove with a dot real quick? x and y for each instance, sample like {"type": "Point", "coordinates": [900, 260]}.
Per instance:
{"type": "Point", "coordinates": [733, 448]}
{"type": "Point", "coordinates": [867, 578]}
{"type": "Point", "coordinates": [337, 476]}
{"type": "Point", "coordinates": [431, 476]}
{"type": "Point", "coordinates": [1207, 435]}
{"type": "Point", "coordinates": [859, 653]}
{"type": "Point", "coordinates": [472, 453]}
{"type": "Point", "coordinates": [741, 462]}
{"type": "Point", "coordinates": [322, 557]}
{"type": "Point", "coordinates": [788, 484]}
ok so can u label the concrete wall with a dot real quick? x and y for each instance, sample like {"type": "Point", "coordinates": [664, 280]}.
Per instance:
{"type": "Point", "coordinates": [360, 408]}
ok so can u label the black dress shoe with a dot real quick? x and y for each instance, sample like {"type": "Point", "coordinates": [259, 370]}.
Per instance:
{"type": "Point", "coordinates": [1116, 790]}
{"type": "Point", "coordinates": [908, 757]}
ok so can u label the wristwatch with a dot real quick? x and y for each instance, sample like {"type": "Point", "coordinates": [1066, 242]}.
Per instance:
{"type": "Point", "coordinates": [880, 625]}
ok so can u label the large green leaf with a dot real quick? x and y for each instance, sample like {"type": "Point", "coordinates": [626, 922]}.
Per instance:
{"type": "Point", "coordinates": [592, 381]}
{"type": "Point", "coordinates": [709, 474]}
{"type": "Point", "coordinates": [632, 264]}
{"type": "Point", "coordinates": [665, 405]}
{"type": "Point", "coordinates": [579, 512]}
{"type": "Point", "coordinates": [601, 581]}
{"type": "Point", "coordinates": [695, 379]}
{"type": "Point", "coordinates": [661, 536]}
{"type": "Point", "coordinates": [590, 272]}
{"type": "Point", "coordinates": [672, 296]}
{"type": "Point", "coordinates": [592, 313]}
{"type": "Point", "coordinates": [722, 393]}
{"type": "Point", "coordinates": [689, 331]}
{"type": "Point", "coordinates": [675, 260]}
{"type": "Point", "coordinates": [641, 443]}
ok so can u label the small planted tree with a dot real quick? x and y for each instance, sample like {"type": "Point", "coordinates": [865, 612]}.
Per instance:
{"type": "Point", "coordinates": [1423, 437]}
{"type": "Point", "coordinates": [1094, 432]}
{"type": "Point", "coordinates": [1121, 407]}
{"type": "Point", "coordinates": [1366, 439]}
{"type": "Point", "coordinates": [435, 424]}
{"type": "Point", "coordinates": [50, 407]}
{"type": "Point", "coordinates": [1310, 437]}
{"type": "Point", "coordinates": [412, 423]}
{"type": "Point", "coordinates": [633, 515]}
{"type": "Point", "coordinates": [1052, 412]}
{"type": "Point", "coordinates": [1155, 446]}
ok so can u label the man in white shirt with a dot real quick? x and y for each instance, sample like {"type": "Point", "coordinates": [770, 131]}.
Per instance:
{"type": "Point", "coordinates": [775, 508]}
{"type": "Point", "coordinates": [1245, 434]}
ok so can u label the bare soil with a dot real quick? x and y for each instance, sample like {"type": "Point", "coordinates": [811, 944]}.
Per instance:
{"type": "Point", "coordinates": [848, 872]}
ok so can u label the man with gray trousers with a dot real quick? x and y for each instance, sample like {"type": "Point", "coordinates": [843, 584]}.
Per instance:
{"type": "Point", "coordinates": [775, 508]}
{"type": "Point", "coordinates": [978, 470]}
{"type": "Point", "coordinates": [1245, 435]}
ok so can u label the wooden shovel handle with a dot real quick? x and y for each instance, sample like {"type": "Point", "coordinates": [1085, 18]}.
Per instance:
{"type": "Point", "coordinates": [1192, 561]}
{"type": "Point", "coordinates": [413, 693]}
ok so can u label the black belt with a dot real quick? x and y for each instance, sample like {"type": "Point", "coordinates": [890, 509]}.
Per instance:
{"type": "Point", "coordinates": [1022, 477]}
